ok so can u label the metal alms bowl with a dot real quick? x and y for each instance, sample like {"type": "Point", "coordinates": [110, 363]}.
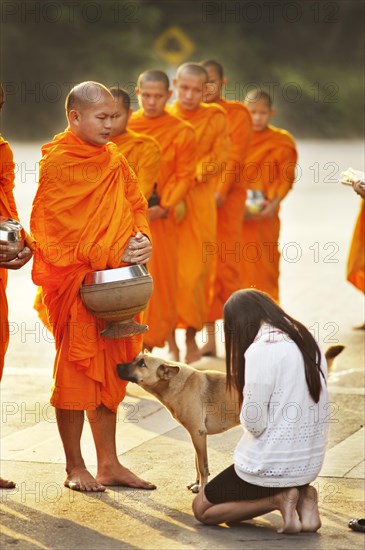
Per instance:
{"type": "Point", "coordinates": [11, 234]}
{"type": "Point", "coordinates": [117, 295]}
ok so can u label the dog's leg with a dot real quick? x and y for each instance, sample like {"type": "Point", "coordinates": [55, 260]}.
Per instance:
{"type": "Point", "coordinates": [197, 479]}
{"type": "Point", "coordinates": [199, 439]}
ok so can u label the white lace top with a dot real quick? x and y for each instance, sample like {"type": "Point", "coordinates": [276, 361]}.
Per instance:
{"type": "Point", "coordinates": [285, 431]}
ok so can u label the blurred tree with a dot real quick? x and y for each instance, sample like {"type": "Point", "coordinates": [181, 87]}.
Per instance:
{"type": "Point", "coordinates": [309, 53]}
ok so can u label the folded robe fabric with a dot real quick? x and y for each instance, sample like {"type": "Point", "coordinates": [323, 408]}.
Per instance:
{"type": "Point", "coordinates": [87, 206]}
{"type": "Point", "coordinates": [143, 155]}
{"type": "Point", "coordinates": [270, 167]}
{"type": "Point", "coordinates": [177, 171]}
{"type": "Point", "coordinates": [198, 231]}
{"type": "Point", "coordinates": [356, 259]}
{"type": "Point", "coordinates": [8, 210]}
{"type": "Point", "coordinates": [232, 188]}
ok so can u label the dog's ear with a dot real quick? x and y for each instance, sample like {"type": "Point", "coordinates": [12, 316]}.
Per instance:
{"type": "Point", "coordinates": [145, 351]}
{"type": "Point", "coordinates": [331, 353]}
{"type": "Point", "coordinates": [166, 372]}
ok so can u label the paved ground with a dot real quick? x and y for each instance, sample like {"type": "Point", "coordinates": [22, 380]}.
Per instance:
{"type": "Point", "coordinates": [318, 219]}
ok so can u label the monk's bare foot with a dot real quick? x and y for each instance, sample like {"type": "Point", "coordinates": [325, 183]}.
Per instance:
{"type": "Point", "coordinates": [174, 352]}
{"type": "Point", "coordinates": [192, 355]}
{"type": "Point", "coordinates": [307, 509]}
{"type": "Point", "coordinates": [79, 479]}
{"type": "Point", "coordinates": [209, 350]}
{"type": "Point", "coordinates": [118, 475]}
{"type": "Point", "coordinates": [6, 484]}
{"type": "Point", "coordinates": [287, 503]}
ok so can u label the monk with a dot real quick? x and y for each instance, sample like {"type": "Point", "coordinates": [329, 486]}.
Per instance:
{"type": "Point", "coordinates": [356, 259]}
{"type": "Point", "coordinates": [177, 172]}
{"type": "Point", "coordinates": [8, 209]}
{"type": "Point", "coordinates": [141, 151]}
{"type": "Point", "coordinates": [88, 214]}
{"type": "Point", "coordinates": [197, 235]}
{"type": "Point", "coordinates": [230, 200]}
{"type": "Point", "coordinates": [270, 168]}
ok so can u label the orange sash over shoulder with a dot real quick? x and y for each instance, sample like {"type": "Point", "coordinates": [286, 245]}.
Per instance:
{"type": "Point", "coordinates": [143, 155]}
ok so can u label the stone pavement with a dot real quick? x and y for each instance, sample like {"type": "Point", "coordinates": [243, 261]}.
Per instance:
{"type": "Point", "coordinates": [318, 218]}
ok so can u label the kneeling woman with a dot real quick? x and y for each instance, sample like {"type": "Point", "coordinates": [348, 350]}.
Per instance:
{"type": "Point", "coordinates": [280, 373]}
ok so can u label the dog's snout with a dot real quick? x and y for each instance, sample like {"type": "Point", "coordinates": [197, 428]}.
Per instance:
{"type": "Point", "coordinates": [124, 372]}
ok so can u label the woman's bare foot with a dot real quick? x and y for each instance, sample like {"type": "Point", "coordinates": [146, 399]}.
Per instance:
{"type": "Point", "coordinates": [286, 503]}
{"type": "Point", "coordinates": [80, 479]}
{"type": "Point", "coordinates": [6, 484]}
{"type": "Point", "coordinates": [118, 475]}
{"type": "Point", "coordinates": [307, 508]}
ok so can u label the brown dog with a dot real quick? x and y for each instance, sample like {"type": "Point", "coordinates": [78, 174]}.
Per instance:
{"type": "Point", "coordinates": [197, 399]}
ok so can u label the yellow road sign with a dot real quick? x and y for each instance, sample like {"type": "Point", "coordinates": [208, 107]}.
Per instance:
{"type": "Point", "coordinates": [174, 46]}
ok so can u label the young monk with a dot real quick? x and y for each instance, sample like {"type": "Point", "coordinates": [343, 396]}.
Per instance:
{"type": "Point", "coordinates": [197, 233]}
{"type": "Point", "coordinates": [270, 168]}
{"type": "Point", "coordinates": [141, 151]}
{"type": "Point", "coordinates": [8, 210]}
{"type": "Point", "coordinates": [88, 214]}
{"type": "Point", "coordinates": [177, 171]}
{"type": "Point", "coordinates": [230, 200]}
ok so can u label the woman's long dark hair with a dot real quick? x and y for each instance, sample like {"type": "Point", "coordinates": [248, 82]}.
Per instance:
{"type": "Point", "coordinates": [244, 313]}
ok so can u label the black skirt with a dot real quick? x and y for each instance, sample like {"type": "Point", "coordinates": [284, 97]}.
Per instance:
{"type": "Point", "coordinates": [229, 487]}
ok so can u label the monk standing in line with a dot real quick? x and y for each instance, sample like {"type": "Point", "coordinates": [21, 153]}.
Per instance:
{"type": "Point", "coordinates": [88, 214]}
{"type": "Point", "coordinates": [141, 151]}
{"type": "Point", "coordinates": [7, 210]}
{"type": "Point", "coordinates": [177, 171]}
{"type": "Point", "coordinates": [230, 200]}
{"type": "Point", "coordinates": [197, 235]}
{"type": "Point", "coordinates": [270, 168]}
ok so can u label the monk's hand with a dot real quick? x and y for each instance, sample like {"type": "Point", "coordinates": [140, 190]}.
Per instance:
{"type": "Point", "coordinates": [358, 187]}
{"type": "Point", "coordinates": [157, 212]}
{"type": "Point", "coordinates": [22, 258]}
{"type": "Point", "coordinates": [269, 210]}
{"type": "Point", "coordinates": [139, 250]}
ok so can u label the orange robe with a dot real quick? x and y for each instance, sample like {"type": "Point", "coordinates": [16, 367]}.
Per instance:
{"type": "Point", "coordinates": [8, 210]}
{"type": "Point", "coordinates": [232, 188]}
{"type": "Point", "coordinates": [270, 167]}
{"type": "Point", "coordinates": [198, 231]}
{"type": "Point", "coordinates": [356, 260]}
{"type": "Point", "coordinates": [87, 206]}
{"type": "Point", "coordinates": [143, 155]}
{"type": "Point", "coordinates": [177, 171]}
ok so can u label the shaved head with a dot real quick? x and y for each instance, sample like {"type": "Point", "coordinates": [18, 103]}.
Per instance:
{"type": "Point", "coordinates": [122, 95]}
{"type": "Point", "coordinates": [86, 95]}
{"type": "Point", "coordinates": [212, 64]}
{"type": "Point", "coordinates": [90, 109]}
{"type": "Point", "coordinates": [192, 69]}
{"type": "Point", "coordinates": [153, 76]}
{"type": "Point", "coordinates": [256, 95]}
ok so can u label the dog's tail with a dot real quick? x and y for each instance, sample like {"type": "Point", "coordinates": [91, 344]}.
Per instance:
{"type": "Point", "coordinates": [331, 353]}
